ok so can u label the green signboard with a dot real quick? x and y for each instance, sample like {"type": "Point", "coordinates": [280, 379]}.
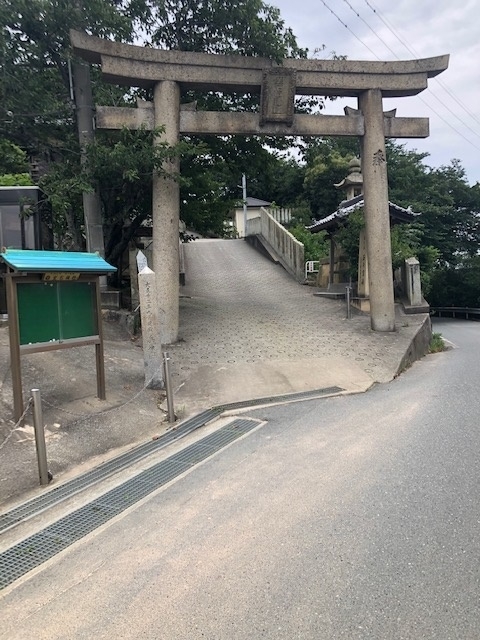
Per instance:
{"type": "Point", "coordinates": [52, 311]}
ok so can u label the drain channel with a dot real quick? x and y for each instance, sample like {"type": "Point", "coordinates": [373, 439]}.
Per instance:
{"type": "Point", "coordinates": [57, 494]}
{"type": "Point", "coordinates": [302, 395]}
{"type": "Point", "coordinates": [36, 549]}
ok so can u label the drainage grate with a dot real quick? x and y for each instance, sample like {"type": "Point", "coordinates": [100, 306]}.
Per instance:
{"type": "Point", "coordinates": [62, 492]}
{"type": "Point", "coordinates": [33, 551]}
{"type": "Point", "coordinates": [302, 395]}
{"type": "Point", "coordinates": [56, 495]}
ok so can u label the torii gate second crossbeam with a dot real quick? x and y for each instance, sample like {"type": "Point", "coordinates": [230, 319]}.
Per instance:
{"type": "Point", "coordinates": [277, 83]}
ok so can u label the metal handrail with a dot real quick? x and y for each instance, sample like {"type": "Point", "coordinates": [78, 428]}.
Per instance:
{"type": "Point", "coordinates": [454, 311]}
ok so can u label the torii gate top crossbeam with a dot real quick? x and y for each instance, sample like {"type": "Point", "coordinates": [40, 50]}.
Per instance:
{"type": "Point", "coordinates": [132, 65]}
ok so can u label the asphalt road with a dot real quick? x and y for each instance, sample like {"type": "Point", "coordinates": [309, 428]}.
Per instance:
{"type": "Point", "coordinates": [349, 517]}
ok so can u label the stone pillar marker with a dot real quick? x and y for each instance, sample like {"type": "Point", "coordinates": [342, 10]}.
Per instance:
{"type": "Point", "coordinates": [413, 285]}
{"type": "Point", "coordinates": [377, 218]}
{"type": "Point", "coordinates": [152, 347]}
{"type": "Point", "coordinates": [166, 214]}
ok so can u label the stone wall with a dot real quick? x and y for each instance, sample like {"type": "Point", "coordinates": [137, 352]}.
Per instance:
{"type": "Point", "coordinates": [340, 271]}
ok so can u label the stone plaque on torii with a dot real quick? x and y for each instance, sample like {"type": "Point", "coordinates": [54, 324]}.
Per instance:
{"type": "Point", "coordinates": [277, 84]}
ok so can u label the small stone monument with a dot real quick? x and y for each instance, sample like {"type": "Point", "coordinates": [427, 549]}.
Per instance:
{"type": "Point", "coordinates": [152, 348]}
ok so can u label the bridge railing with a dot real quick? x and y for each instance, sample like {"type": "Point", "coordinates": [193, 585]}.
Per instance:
{"type": "Point", "coordinates": [456, 312]}
{"type": "Point", "coordinates": [289, 251]}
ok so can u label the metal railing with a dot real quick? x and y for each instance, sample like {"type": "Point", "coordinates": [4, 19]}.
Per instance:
{"type": "Point", "coordinates": [311, 266]}
{"type": "Point", "coordinates": [469, 313]}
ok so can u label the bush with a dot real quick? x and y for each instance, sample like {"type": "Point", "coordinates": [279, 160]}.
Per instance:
{"type": "Point", "coordinates": [316, 244]}
{"type": "Point", "coordinates": [437, 343]}
{"type": "Point", "coordinates": [15, 180]}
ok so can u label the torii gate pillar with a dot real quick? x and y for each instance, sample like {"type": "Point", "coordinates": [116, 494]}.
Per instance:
{"type": "Point", "coordinates": [166, 213]}
{"type": "Point", "coordinates": [277, 85]}
{"type": "Point", "coordinates": [377, 219]}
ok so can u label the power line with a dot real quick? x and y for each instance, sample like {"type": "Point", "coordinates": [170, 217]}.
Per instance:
{"type": "Point", "coordinates": [348, 28]}
{"type": "Point", "coordinates": [412, 51]}
{"type": "Point", "coordinates": [449, 124]}
{"type": "Point", "coordinates": [372, 30]}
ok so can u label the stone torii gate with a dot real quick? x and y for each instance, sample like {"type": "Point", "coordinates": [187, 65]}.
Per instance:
{"type": "Point", "coordinates": [277, 84]}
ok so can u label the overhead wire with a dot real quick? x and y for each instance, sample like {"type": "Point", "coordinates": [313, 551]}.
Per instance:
{"type": "Point", "coordinates": [455, 115]}
{"type": "Point", "coordinates": [412, 51]}
{"type": "Point", "coordinates": [449, 124]}
{"type": "Point", "coordinates": [347, 27]}
{"type": "Point", "coordinates": [372, 30]}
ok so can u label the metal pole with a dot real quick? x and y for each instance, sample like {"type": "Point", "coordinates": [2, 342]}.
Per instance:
{"type": "Point", "coordinates": [244, 196]}
{"type": "Point", "coordinates": [168, 387]}
{"type": "Point", "coordinates": [40, 437]}
{"type": "Point", "coordinates": [349, 309]}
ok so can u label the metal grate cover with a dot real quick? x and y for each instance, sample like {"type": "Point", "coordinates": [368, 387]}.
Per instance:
{"type": "Point", "coordinates": [36, 549]}
{"type": "Point", "coordinates": [301, 395]}
{"type": "Point", "coordinates": [57, 494]}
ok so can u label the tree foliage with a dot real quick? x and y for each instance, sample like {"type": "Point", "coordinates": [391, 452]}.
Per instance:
{"type": "Point", "coordinates": [15, 180]}
{"type": "Point", "coordinates": [445, 237]}
{"type": "Point", "coordinates": [246, 27]}
{"type": "Point", "coordinates": [12, 158]}
{"type": "Point", "coordinates": [36, 93]}
{"type": "Point", "coordinates": [37, 118]}
{"type": "Point", "coordinates": [316, 245]}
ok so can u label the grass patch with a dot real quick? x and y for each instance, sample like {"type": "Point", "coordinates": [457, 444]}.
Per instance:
{"type": "Point", "coordinates": [437, 343]}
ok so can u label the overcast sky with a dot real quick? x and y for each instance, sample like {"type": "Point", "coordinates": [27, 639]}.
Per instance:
{"type": "Point", "coordinates": [407, 29]}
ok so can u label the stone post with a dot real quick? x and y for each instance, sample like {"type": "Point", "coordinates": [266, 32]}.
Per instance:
{"type": "Point", "coordinates": [377, 219]}
{"type": "Point", "coordinates": [165, 214]}
{"type": "Point", "coordinates": [152, 347]}
{"type": "Point", "coordinates": [412, 284]}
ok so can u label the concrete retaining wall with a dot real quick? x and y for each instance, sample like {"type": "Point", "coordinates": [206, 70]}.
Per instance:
{"type": "Point", "coordinates": [419, 346]}
{"type": "Point", "coordinates": [289, 250]}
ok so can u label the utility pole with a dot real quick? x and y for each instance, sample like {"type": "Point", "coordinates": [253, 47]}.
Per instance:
{"type": "Point", "coordinates": [244, 196]}
{"type": "Point", "coordinates": [91, 199]}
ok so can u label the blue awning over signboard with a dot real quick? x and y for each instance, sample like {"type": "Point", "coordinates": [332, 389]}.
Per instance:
{"type": "Point", "coordinates": [41, 261]}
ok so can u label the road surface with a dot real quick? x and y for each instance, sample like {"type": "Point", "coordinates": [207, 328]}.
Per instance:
{"type": "Point", "coordinates": [349, 517]}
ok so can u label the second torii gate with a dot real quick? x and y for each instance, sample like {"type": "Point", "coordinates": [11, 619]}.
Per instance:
{"type": "Point", "coordinates": [277, 84]}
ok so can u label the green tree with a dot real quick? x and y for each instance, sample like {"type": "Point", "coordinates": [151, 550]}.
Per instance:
{"type": "Point", "coordinates": [316, 244]}
{"type": "Point", "coordinates": [457, 286]}
{"type": "Point", "coordinates": [284, 185]}
{"type": "Point", "coordinates": [451, 214]}
{"type": "Point", "coordinates": [123, 165]}
{"type": "Point", "coordinates": [449, 206]}
{"type": "Point", "coordinates": [35, 54]}
{"type": "Point", "coordinates": [408, 176]}
{"type": "Point", "coordinates": [246, 27]}
{"type": "Point", "coordinates": [35, 89]}
{"type": "Point", "coordinates": [326, 165]}
{"type": "Point", "coordinates": [13, 160]}
{"type": "Point", "coordinates": [15, 180]}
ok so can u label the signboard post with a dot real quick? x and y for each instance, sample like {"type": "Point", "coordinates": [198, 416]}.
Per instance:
{"type": "Point", "coordinates": [53, 302]}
